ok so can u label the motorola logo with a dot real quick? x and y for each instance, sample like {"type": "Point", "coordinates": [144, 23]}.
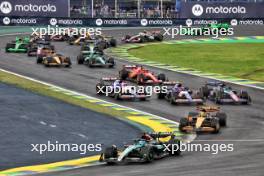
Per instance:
{"type": "Point", "coordinates": [144, 22]}
{"type": "Point", "coordinates": [6, 21]}
{"type": "Point", "coordinates": [197, 10]}
{"type": "Point", "coordinates": [99, 22]}
{"type": "Point", "coordinates": [53, 21]}
{"type": "Point", "coordinates": [189, 22]}
{"type": "Point", "coordinates": [5, 7]}
{"type": "Point", "coordinates": [234, 22]}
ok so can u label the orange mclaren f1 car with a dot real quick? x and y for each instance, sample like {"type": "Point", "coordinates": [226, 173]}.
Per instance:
{"type": "Point", "coordinates": [56, 60]}
{"type": "Point", "coordinates": [206, 119]}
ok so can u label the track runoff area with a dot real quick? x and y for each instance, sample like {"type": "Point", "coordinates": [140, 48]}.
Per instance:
{"type": "Point", "coordinates": [165, 119]}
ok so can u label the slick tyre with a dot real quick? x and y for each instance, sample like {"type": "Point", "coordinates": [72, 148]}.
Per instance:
{"type": "Point", "coordinates": [183, 123]}
{"type": "Point", "coordinates": [222, 118]}
{"type": "Point", "coordinates": [123, 74]}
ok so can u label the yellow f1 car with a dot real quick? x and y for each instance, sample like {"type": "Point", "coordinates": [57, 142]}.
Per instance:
{"type": "Point", "coordinates": [206, 119]}
{"type": "Point", "coordinates": [56, 60]}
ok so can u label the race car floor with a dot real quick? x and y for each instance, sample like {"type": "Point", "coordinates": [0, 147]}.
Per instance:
{"type": "Point", "coordinates": [28, 118]}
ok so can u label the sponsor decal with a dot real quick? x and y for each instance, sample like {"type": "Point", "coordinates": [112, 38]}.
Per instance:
{"type": "Point", "coordinates": [251, 22]}
{"type": "Point", "coordinates": [197, 10]}
{"type": "Point", "coordinates": [5, 7]}
{"type": "Point", "coordinates": [115, 22]}
{"type": "Point", "coordinates": [234, 22]}
{"type": "Point", "coordinates": [226, 10]}
{"type": "Point", "coordinates": [70, 21]}
{"type": "Point", "coordinates": [204, 22]}
{"type": "Point", "coordinates": [47, 8]}
{"type": "Point", "coordinates": [6, 21]}
{"type": "Point", "coordinates": [99, 22]}
{"type": "Point", "coordinates": [160, 22]}
{"type": "Point", "coordinates": [144, 22]}
{"type": "Point", "coordinates": [35, 8]}
{"type": "Point", "coordinates": [53, 21]}
{"type": "Point", "coordinates": [189, 22]}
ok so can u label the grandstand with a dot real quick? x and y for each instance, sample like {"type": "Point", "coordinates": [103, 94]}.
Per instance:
{"type": "Point", "coordinates": [135, 8]}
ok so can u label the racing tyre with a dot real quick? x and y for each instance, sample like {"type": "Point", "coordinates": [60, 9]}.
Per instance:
{"type": "Point", "coordinates": [111, 61]}
{"type": "Point", "coordinates": [80, 59]}
{"type": "Point", "coordinates": [113, 42]}
{"type": "Point", "coordinates": [183, 123]}
{"type": "Point", "coordinates": [205, 92]}
{"type": "Point", "coordinates": [123, 74]}
{"type": "Point", "coordinates": [172, 100]}
{"type": "Point", "coordinates": [148, 151]}
{"type": "Point", "coordinates": [222, 118]}
{"type": "Point", "coordinates": [39, 60]}
{"type": "Point", "coordinates": [161, 95]}
{"type": "Point", "coordinates": [215, 124]}
{"type": "Point", "coordinates": [142, 39]}
{"type": "Point", "coordinates": [142, 99]}
{"type": "Point", "coordinates": [68, 61]}
{"type": "Point", "coordinates": [244, 95]}
{"type": "Point", "coordinates": [162, 77]}
{"type": "Point", "coordinates": [158, 37]}
{"type": "Point", "coordinates": [110, 153]}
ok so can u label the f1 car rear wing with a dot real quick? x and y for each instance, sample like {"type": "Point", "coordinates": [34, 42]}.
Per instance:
{"type": "Point", "coordinates": [208, 108]}
{"type": "Point", "coordinates": [170, 83]}
{"type": "Point", "coordinates": [130, 66]}
{"type": "Point", "coordinates": [157, 135]}
{"type": "Point", "coordinates": [109, 79]}
{"type": "Point", "coordinates": [214, 83]}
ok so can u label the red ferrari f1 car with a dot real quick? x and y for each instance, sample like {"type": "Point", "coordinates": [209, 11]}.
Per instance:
{"type": "Point", "coordinates": [140, 75]}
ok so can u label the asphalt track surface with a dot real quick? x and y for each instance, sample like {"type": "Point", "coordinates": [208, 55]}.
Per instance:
{"type": "Point", "coordinates": [28, 118]}
{"type": "Point", "coordinates": [245, 123]}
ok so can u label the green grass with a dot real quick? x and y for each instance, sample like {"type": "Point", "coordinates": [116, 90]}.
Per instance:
{"type": "Point", "coordinates": [232, 59]}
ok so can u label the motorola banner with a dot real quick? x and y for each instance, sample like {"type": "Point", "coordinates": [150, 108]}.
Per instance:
{"type": "Point", "coordinates": [119, 22]}
{"type": "Point", "coordinates": [34, 8]}
{"type": "Point", "coordinates": [221, 10]}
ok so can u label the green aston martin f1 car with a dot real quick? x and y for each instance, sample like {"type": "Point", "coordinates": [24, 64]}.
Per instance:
{"type": "Point", "coordinates": [219, 26]}
{"type": "Point", "coordinates": [93, 57]}
{"type": "Point", "coordinates": [20, 45]}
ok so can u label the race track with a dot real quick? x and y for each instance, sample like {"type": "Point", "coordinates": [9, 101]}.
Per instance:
{"type": "Point", "coordinates": [245, 123]}
{"type": "Point", "coordinates": [28, 118]}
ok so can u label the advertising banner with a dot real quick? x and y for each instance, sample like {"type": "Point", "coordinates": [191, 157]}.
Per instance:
{"type": "Point", "coordinates": [221, 10]}
{"type": "Point", "coordinates": [120, 22]}
{"type": "Point", "coordinates": [34, 8]}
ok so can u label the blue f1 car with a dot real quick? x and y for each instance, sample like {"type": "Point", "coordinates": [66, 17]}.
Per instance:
{"type": "Point", "coordinates": [221, 93]}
